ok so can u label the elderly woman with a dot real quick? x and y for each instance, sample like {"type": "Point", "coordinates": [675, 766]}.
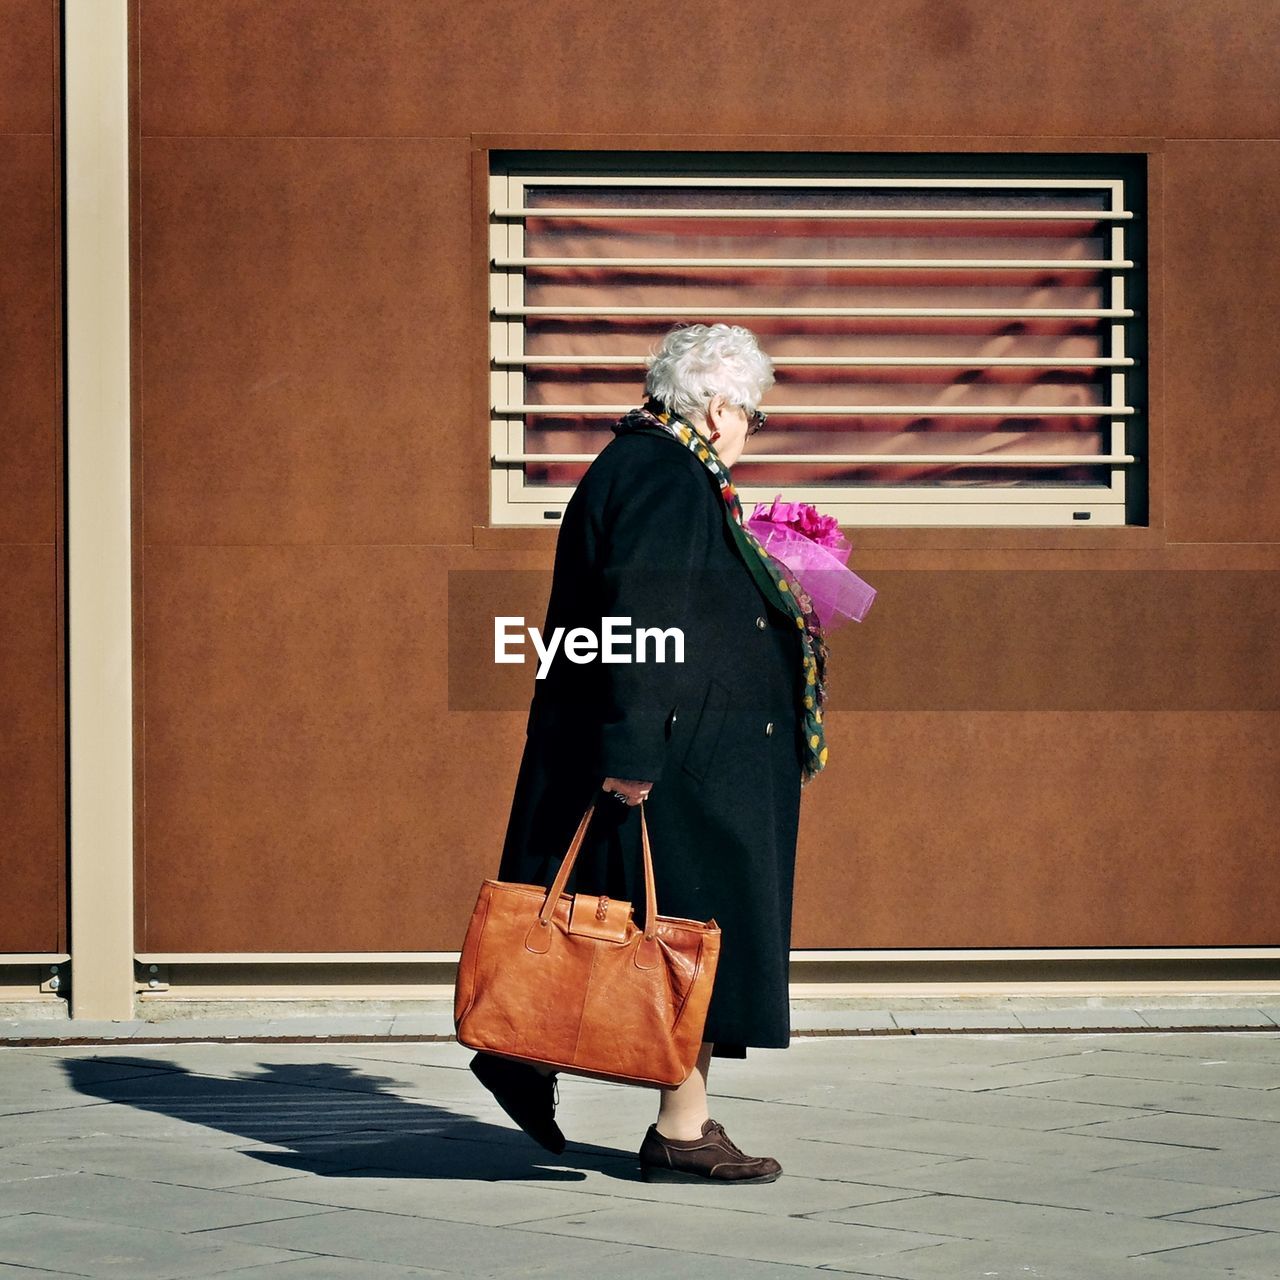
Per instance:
{"type": "Point", "coordinates": [716, 746]}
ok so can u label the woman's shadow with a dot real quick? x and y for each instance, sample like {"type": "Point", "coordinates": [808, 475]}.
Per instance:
{"type": "Point", "coordinates": [335, 1119]}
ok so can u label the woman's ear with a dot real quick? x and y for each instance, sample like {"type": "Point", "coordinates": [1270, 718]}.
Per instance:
{"type": "Point", "coordinates": [717, 411]}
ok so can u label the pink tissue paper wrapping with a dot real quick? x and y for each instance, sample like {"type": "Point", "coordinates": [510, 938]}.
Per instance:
{"type": "Point", "coordinates": [811, 545]}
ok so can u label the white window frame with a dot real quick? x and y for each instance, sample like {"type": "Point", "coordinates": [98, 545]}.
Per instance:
{"type": "Point", "coordinates": [513, 502]}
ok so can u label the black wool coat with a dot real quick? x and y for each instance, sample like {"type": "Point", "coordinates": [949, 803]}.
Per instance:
{"type": "Point", "coordinates": [644, 537]}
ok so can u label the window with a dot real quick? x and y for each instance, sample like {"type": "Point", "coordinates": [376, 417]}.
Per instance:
{"type": "Point", "coordinates": [958, 339]}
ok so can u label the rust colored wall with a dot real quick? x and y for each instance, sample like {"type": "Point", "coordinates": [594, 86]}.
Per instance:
{"type": "Point", "coordinates": [311, 459]}
{"type": "Point", "coordinates": [32, 845]}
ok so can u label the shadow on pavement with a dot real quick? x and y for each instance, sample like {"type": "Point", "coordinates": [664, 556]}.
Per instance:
{"type": "Point", "coordinates": [333, 1119]}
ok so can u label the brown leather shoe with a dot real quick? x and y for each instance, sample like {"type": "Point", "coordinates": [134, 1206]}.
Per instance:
{"type": "Point", "coordinates": [710, 1158]}
{"type": "Point", "coordinates": [525, 1094]}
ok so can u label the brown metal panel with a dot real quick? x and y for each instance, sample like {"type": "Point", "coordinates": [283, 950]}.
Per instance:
{"type": "Point", "coordinates": [1072, 829]}
{"type": "Point", "coordinates": [137, 480]}
{"type": "Point", "coordinates": [1066, 67]}
{"type": "Point", "coordinates": [32, 774]}
{"type": "Point", "coordinates": [983, 640]}
{"type": "Point", "coordinates": [308, 354]}
{"type": "Point", "coordinates": [1223, 314]}
{"type": "Point", "coordinates": [32, 859]}
{"type": "Point", "coordinates": [306, 300]}
{"type": "Point", "coordinates": [1126, 640]}
{"type": "Point", "coordinates": [307, 787]}
{"type": "Point", "coordinates": [29, 358]}
{"type": "Point", "coordinates": [28, 66]}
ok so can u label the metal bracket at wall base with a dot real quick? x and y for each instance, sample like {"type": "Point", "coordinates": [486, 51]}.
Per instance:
{"type": "Point", "coordinates": [55, 980]}
{"type": "Point", "coordinates": [151, 977]}
{"type": "Point", "coordinates": [34, 984]}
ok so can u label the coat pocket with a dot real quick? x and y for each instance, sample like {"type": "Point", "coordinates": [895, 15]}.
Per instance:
{"type": "Point", "coordinates": [706, 733]}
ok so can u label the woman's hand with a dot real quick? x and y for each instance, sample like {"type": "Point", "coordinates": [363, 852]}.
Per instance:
{"type": "Point", "coordinates": [634, 790]}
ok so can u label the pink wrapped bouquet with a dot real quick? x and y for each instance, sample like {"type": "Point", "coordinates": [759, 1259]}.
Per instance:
{"type": "Point", "coordinates": [812, 547]}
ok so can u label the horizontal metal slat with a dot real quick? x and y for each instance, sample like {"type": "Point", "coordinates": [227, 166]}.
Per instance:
{"type": "Point", "coordinates": [984, 459]}
{"type": "Point", "coordinates": [941, 264]}
{"type": "Point", "coordinates": [853, 410]}
{"type": "Point", "coordinates": [836, 362]}
{"type": "Point", "coordinates": [1039, 183]}
{"type": "Point", "coordinates": [836, 215]}
{"type": "Point", "coordinates": [941, 313]}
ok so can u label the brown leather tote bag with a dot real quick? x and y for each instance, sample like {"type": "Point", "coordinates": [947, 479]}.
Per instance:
{"type": "Point", "coordinates": [571, 981]}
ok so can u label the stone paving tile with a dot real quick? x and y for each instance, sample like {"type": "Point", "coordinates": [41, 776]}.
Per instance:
{"type": "Point", "coordinates": [173, 1163]}
{"type": "Point", "coordinates": [498, 1203]}
{"type": "Point", "coordinates": [1020, 1260]}
{"type": "Point", "coordinates": [30, 1273]}
{"type": "Point", "coordinates": [72, 1028]}
{"type": "Point", "coordinates": [314, 1267]}
{"type": "Point", "coordinates": [102, 1197]}
{"type": "Point", "coordinates": [371, 1138]}
{"type": "Point", "coordinates": [449, 1200]}
{"type": "Point", "coordinates": [730, 1233]}
{"type": "Point", "coordinates": [328, 1028]}
{"type": "Point", "coordinates": [1260, 1214]}
{"type": "Point", "coordinates": [971, 1077]}
{"type": "Point", "coordinates": [1068, 1151]}
{"type": "Point", "coordinates": [1000, 1180]}
{"type": "Point", "coordinates": [133, 1253]}
{"type": "Point", "coordinates": [759, 1128]}
{"type": "Point", "coordinates": [423, 1024]}
{"type": "Point", "coordinates": [101, 1118]}
{"type": "Point", "coordinates": [1232, 1102]}
{"type": "Point", "coordinates": [229, 1112]}
{"type": "Point", "coordinates": [1003, 1110]}
{"type": "Point", "coordinates": [970, 1218]}
{"type": "Point", "coordinates": [807, 1058]}
{"type": "Point", "coordinates": [842, 1162]}
{"type": "Point", "coordinates": [1207, 1018]}
{"type": "Point", "coordinates": [812, 1162]}
{"type": "Point", "coordinates": [183, 1025]}
{"type": "Point", "coordinates": [24, 1100]}
{"type": "Point", "coordinates": [654, 1263]}
{"type": "Point", "coordinates": [384, 1237]}
{"type": "Point", "coordinates": [1245, 1171]}
{"type": "Point", "coordinates": [435, 1083]}
{"type": "Point", "coordinates": [510, 1156]}
{"type": "Point", "coordinates": [413, 1053]}
{"type": "Point", "coordinates": [358, 1069]}
{"type": "Point", "coordinates": [832, 1020]}
{"type": "Point", "coordinates": [1067, 1019]}
{"type": "Point", "coordinates": [975, 1018]}
{"type": "Point", "coordinates": [1205, 1068]}
{"type": "Point", "coordinates": [1207, 1132]}
{"type": "Point", "coordinates": [1240, 1046]}
{"type": "Point", "coordinates": [1246, 1256]}
{"type": "Point", "coordinates": [27, 1084]}
{"type": "Point", "coordinates": [16, 1171]}
{"type": "Point", "coordinates": [1011, 1046]}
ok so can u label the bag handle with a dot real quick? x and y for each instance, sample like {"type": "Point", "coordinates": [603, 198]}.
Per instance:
{"type": "Point", "coordinates": [562, 876]}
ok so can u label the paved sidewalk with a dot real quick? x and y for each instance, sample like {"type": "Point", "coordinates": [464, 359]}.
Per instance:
{"type": "Point", "coordinates": [814, 1015]}
{"type": "Point", "coordinates": [1084, 1156]}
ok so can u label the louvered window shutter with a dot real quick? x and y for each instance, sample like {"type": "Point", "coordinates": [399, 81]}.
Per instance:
{"type": "Point", "coordinates": [949, 350]}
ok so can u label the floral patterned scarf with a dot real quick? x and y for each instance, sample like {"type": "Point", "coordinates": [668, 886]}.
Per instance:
{"type": "Point", "coordinates": [776, 583]}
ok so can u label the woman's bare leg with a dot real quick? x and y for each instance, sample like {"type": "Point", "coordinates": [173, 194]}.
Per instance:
{"type": "Point", "coordinates": [683, 1109]}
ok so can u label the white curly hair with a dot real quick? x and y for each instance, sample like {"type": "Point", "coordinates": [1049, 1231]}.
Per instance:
{"type": "Point", "coordinates": [696, 362]}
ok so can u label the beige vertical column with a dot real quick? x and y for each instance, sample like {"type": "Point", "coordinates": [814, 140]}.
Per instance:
{"type": "Point", "coordinates": [99, 654]}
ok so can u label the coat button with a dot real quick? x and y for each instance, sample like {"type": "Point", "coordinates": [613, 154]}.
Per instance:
{"type": "Point", "coordinates": [761, 623]}
{"type": "Point", "coordinates": [768, 729]}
